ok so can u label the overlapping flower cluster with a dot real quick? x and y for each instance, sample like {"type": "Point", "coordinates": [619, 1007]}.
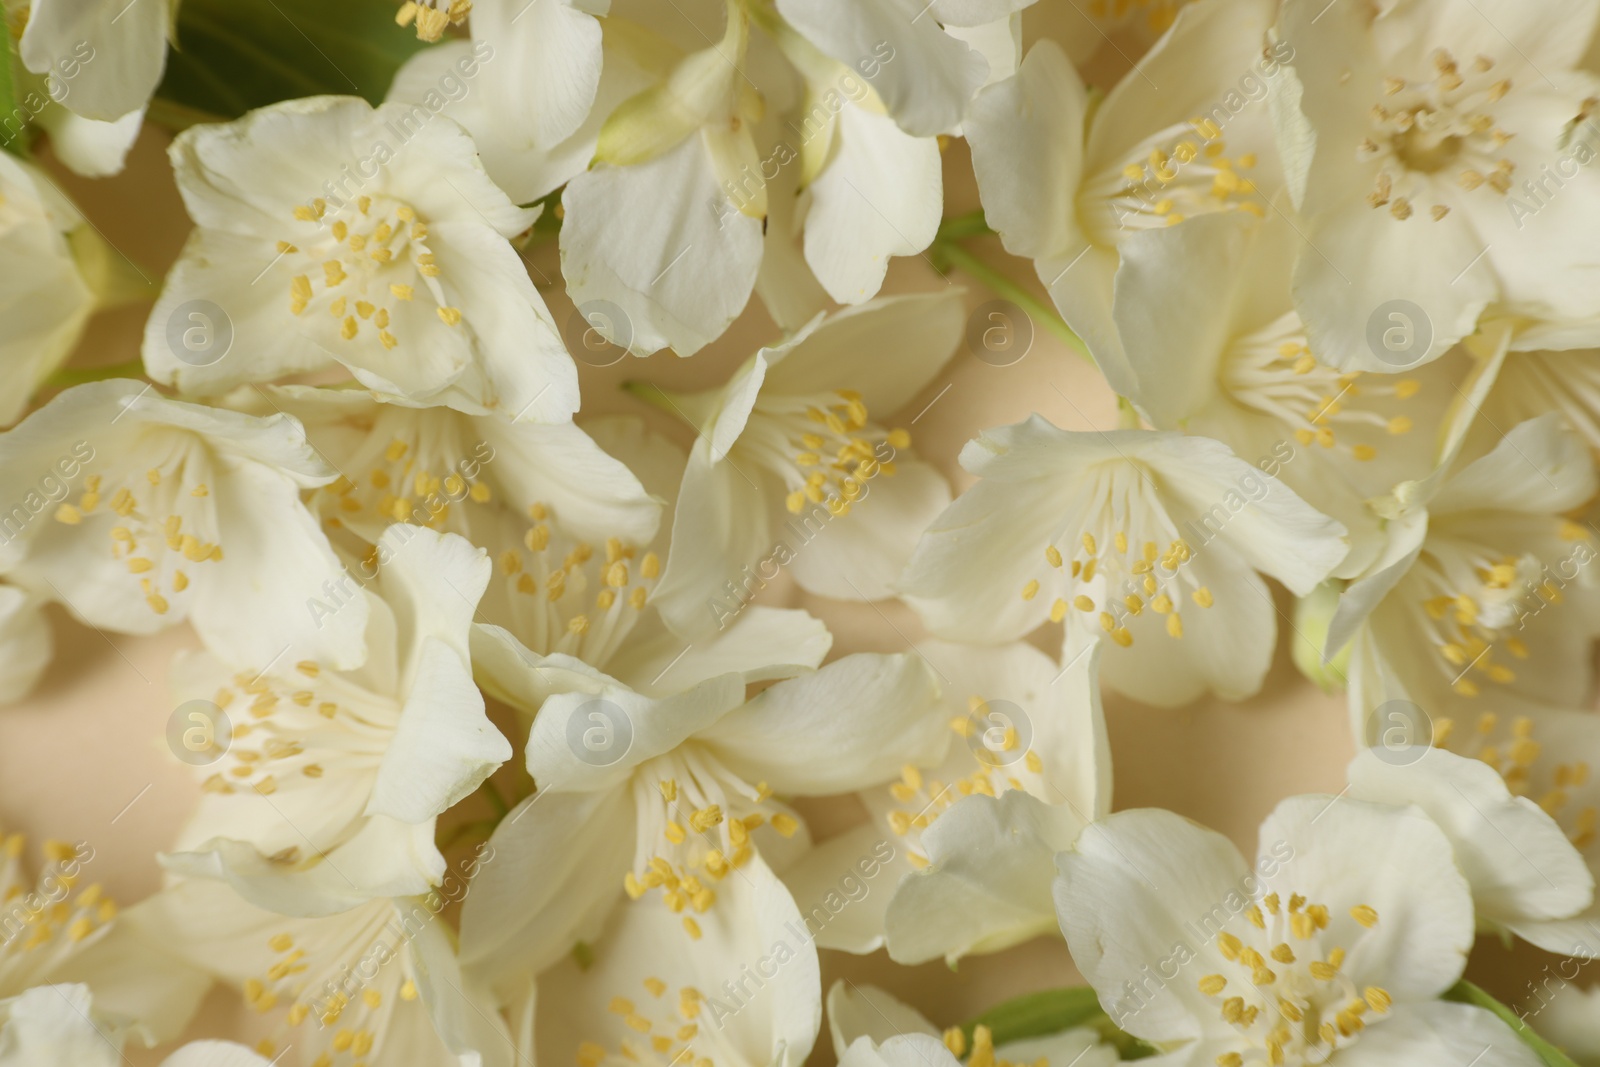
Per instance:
{"type": "Point", "coordinates": [1339, 262]}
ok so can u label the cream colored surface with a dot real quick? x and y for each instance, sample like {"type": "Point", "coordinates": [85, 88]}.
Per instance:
{"type": "Point", "coordinates": [84, 758]}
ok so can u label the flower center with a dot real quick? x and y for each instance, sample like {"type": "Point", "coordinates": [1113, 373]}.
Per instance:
{"type": "Point", "coordinates": [1112, 574]}
{"type": "Point", "coordinates": [1514, 754]}
{"type": "Point", "coordinates": [1001, 768]}
{"type": "Point", "coordinates": [1181, 172]}
{"type": "Point", "coordinates": [433, 16]}
{"type": "Point", "coordinates": [695, 819]}
{"type": "Point", "coordinates": [43, 922]}
{"type": "Point", "coordinates": [330, 984]}
{"type": "Point", "coordinates": [1285, 994]}
{"type": "Point", "coordinates": [1436, 124]}
{"type": "Point", "coordinates": [566, 599]}
{"type": "Point", "coordinates": [298, 728]}
{"type": "Point", "coordinates": [365, 257]}
{"type": "Point", "coordinates": [666, 1028]}
{"type": "Point", "coordinates": [1274, 372]}
{"type": "Point", "coordinates": [417, 477]}
{"type": "Point", "coordinates": [160, 525]}
{"type": "Point", "coordinates": [1471, 595]}
{"type": "Point", "coordinates": [825, 449]}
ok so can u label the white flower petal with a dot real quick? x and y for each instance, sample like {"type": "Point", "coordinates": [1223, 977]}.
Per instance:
{"type": "Point", "coordinates": [1347, 852]}
{"type": "Point", "coordinates": [857, 1011]}
{"type": "Point", "coordinates": [926, 77]}
{"type": "Point", "coordinates": [851, 724]}
{"type": "Point", "coordinates": [987, 886]}
{"type": "Point", "coordinates": [551, 875]}
{"type": "Point", "coordinates": [881, 195]}
{"type": "Point", "coordinates": [661, 242]}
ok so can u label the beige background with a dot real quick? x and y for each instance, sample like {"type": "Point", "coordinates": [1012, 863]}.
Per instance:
{"type": "Point", "coordinates": [84, 758]}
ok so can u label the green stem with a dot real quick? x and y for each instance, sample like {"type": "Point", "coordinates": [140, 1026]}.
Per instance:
{"type": "Point", "coordinates": [957, 256]}
{"type": "Point", "coordinates": [496, 801]}
{"type": "Point", "coordinates": [959, 227]}
{"type": "Point", "coordinates": [69, 376]}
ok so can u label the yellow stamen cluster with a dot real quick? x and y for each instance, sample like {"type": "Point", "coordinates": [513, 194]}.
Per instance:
{"type": "Point", "coordinates": [834, 453]}
{"type": "Point", "coordinates": [1136, 577]}
{"type": "Point", "coordinates": [45, 919]}
{"type": "Point", "coordinates": [347, 1019]}
{"type": "Point", "coordinates": [1274, 371]}
{"type": "Point", "coordinates": [433, 17]}
{"type": "Point", "coordinates": [661, 1029]}
{"type": "Point", "coordinates": [569, 599]}
{"type": "Point", "coordinates": [1529, 768]}
{"type": "Point", "coordinates": [701, 840]}
{"type": "Point", "coordinates": [983, 1050]}
{"type": "Point", "coordinates": [925, 798]}
{"type": "Point", "coordinates": [405, 482]}
{"type": "Point", "coordinates": [284, 726]}
{"type": "Point", "coordinates": [355, 257]}
{"type": "Point", "coordinates": [1438, 124]}
{"type": "Point", "coordinates": [1283, 994]}
{"type": "Point", "coordinates": [1191, 174]}
{"type": "Point", "coordinates": [1472, 600]}
{"type": "Point", "coordinates": [150, 537]}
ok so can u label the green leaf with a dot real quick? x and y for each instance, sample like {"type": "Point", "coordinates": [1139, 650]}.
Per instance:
{"type": "Point", "coordinates": [236, 55]}
{"type": "Point", "coordinates": [1050, 1012]}
{"type": "Point", "coordinates": [1466, 993]}
{"type": "Point", "coordinates": [16, 144]}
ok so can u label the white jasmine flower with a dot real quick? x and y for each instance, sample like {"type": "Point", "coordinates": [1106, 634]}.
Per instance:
{"type": "Point", "coordinates": [1481, 591]}
{"type": "Point", "coordinates": [55, 930]}
{"type": "Point", "coordinates": [42, 286]}
{"type": "Point", "coordinates": [1334, 948]}
{"type": "Point", "coordinates": [357, 985]}
{"type": "Point", "coordinates": [480, 476]}
{"type": "Point", "coordinates": [322, 764]}
{"type": "Point", "coordinates": [1515, 799]}
{"type": "Point", "coordinates": [873, 191]}
{"type": "Point", "coordinates": [1435, 154]}
{"type": "Point", "coordinates": [650, 228]}
{"type": "Point", "coordinates": [973, 836]}
{"type": "Point", "coordinates": [1225, 355]}
{"type": "Point", "coordinates": [872, 1028]}
{"type": "Point", "coordinates": [1153, 540]}
{"type": "Point", "coordinates": [541, 80]}
{"type": "Point", "coordinates": [660, 805]}
{"type": "Point", "coordinates": [329, 232]}
{"type": "Point", "coordinates": [174, 511]}
{"type": "Point", "coordinates": [747, 993]}
{"type": "Point", "coordinates": [793, 469]}
{"type": "Point", "coordinates": [1071, 192]}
